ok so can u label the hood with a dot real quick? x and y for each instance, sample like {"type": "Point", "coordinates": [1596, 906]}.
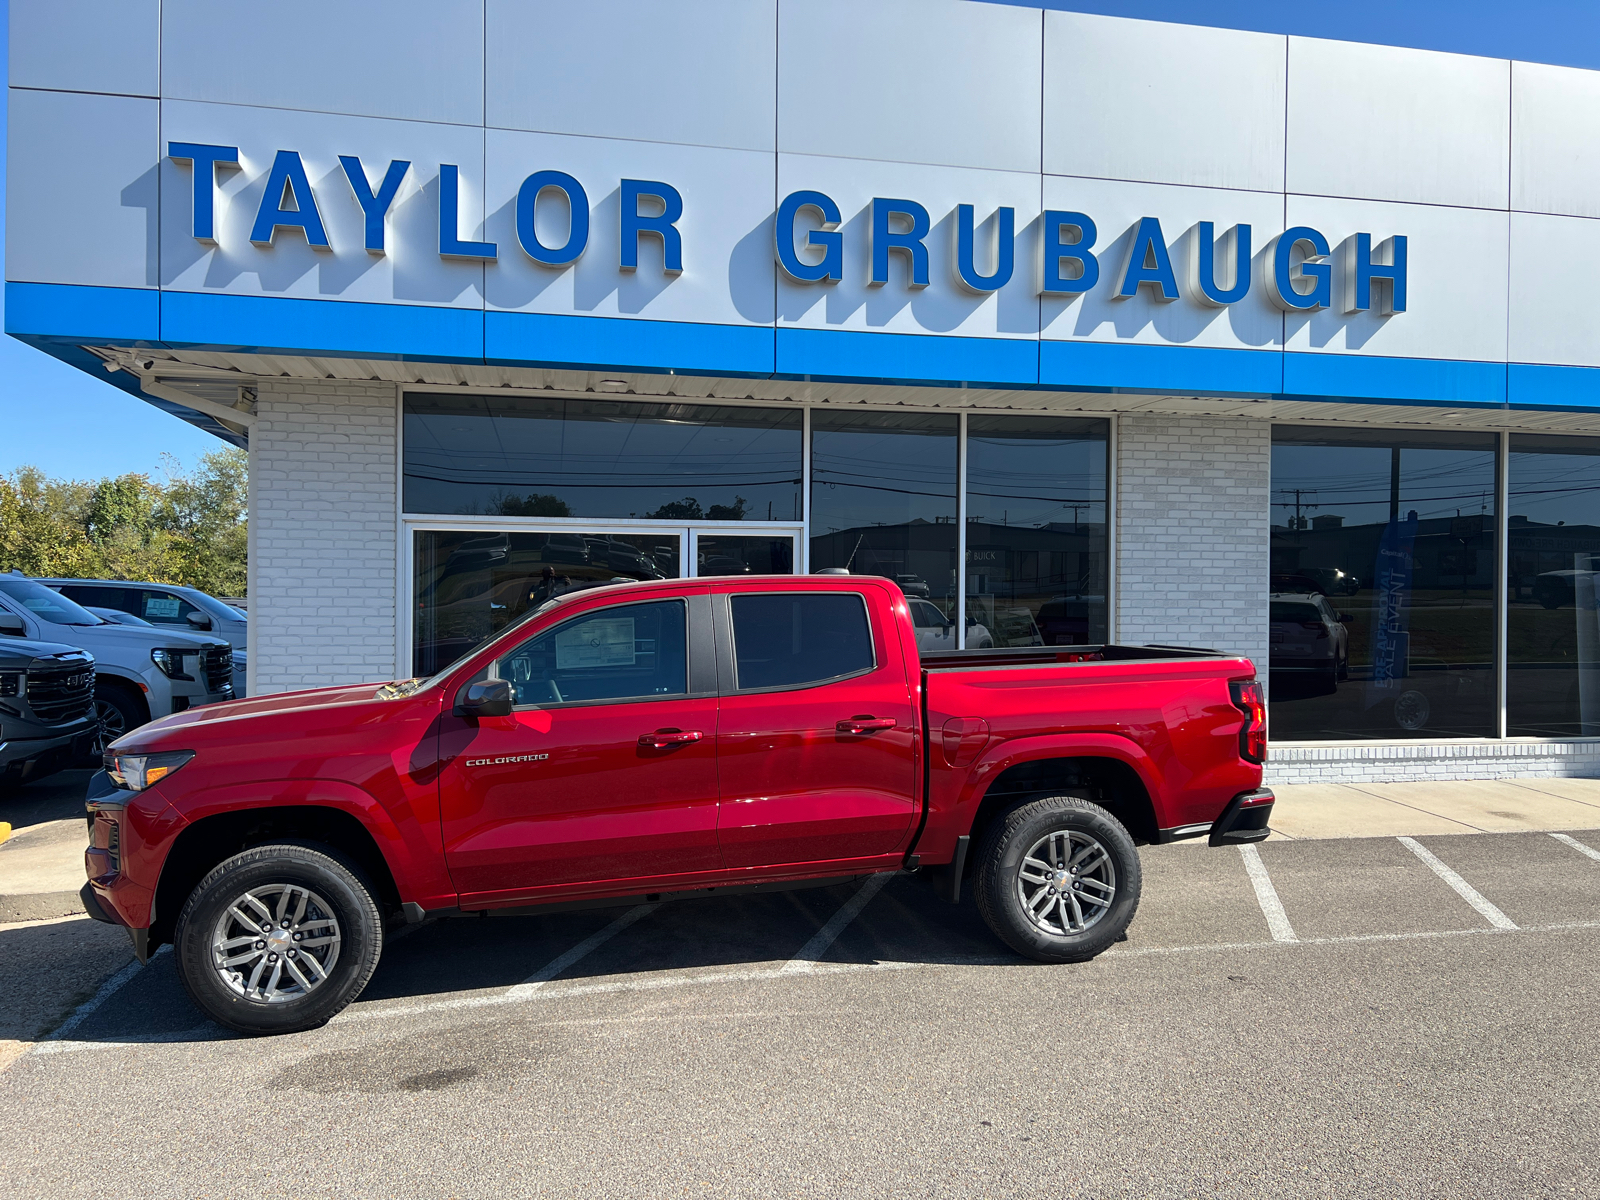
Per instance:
{"type": "Point", "coordinates": [18, 654]}
{"type": "Point", "coordinates": [198, 719]}
{"type": "Point", "coordinates": [141, 636]}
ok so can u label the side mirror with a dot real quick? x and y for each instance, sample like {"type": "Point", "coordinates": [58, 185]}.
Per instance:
{"type": "Point", "coordinates": [12, 625]}
{"type": "Point", "coordinates": [199, 620]}
{"type": "Point", "coordinates": [491, 698]}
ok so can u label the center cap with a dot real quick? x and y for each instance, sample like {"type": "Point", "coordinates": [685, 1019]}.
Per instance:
{"type": "Point", "coordinates": [1059, 881]}
{"type": "Point", "coordinates": [280, 940]}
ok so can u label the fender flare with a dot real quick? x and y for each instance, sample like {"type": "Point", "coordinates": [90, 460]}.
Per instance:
{"type": "Point", "coordinates": [1000, 756]}
{"type": "Point", "coordinates": [230, 799]}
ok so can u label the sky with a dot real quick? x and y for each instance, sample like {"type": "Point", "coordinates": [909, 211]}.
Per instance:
{"type": "Point", "coordinates": [46, 406]}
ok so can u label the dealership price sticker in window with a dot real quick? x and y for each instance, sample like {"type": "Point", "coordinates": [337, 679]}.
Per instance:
{"type": "Point", "coordinates": [604, 643]}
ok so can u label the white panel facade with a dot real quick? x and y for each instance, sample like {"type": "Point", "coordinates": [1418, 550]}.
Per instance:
{"type": "Point", "coordinates": [1457, 264]}
{"type": "Point", "coordinates": [1117, 208]}
{"type": "Point", "coordinates": [87, 216]}
{"type": "Point", "coordinates": [726, 231]}
{"type": "Point", "coordinates": [943, 307]}
{"type": "Point", "coordinates": [1163, 103]}
{"type": "Point", "coordinates": [704, 76]}
{"type": "Point", "coordinates": [87, 45]}
{"type": "Point", "coordinates": [1555, 140]}
{"type": "Point", "coordinates": [1192, 505]}
{"type": "Point", "coordinates": [323, 529]}
{"type": "Point", "coordinates": [1553, 260]}
{"type": "Point", "coordinates": [420, 60]}
{"type": "Point", "coordinates": [410, 272]}
{"type": "Point", "coordinates": [926, 81]}
{"type": "Point", "coordinates": [1387, 123]}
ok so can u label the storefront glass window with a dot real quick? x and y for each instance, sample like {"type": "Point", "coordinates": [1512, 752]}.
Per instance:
{"type": "Point", "coordinates": [883, 499]}
{"type": "Point", "coordinates": [1036, 530]}
{"type": "Point", "coordinates": [533, 457]}
{"type": "Point", "coordinates": [1553, 557]}
{"type": "Point", "coordinates": [1382, 621]}
{"type": "Point", "coordinates": [468, 586]}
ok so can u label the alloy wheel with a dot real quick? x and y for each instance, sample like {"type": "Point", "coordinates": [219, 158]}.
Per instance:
{"type": "Point", "coordinates": [1066, 882]}
{"type": "Point", "coordinates": [275, 943]}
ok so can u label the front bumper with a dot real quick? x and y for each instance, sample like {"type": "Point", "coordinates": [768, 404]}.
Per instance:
{"type": "Point", "coordinates": [28, 758]}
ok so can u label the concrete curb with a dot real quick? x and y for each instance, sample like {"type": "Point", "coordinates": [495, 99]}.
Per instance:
{"type": "Point", "coordinates": [40, 906]}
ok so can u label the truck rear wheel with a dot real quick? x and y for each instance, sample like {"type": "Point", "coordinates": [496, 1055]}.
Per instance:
{"type": "Point", "coordinates": [1058, 879]}
{"type": "Point", "coordinates": [278, 939]}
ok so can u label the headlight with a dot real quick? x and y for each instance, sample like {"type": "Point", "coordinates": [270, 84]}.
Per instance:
{"type": "Point", "coordinates": [139, 771]}
{"type": "Point", "coordinates": [171, 663]}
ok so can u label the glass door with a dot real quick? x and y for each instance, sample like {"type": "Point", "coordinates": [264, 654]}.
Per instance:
{"type": "Point", "coordinates": [744, 552]}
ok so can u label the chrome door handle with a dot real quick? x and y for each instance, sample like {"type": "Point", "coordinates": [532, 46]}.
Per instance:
{"type": "Point", "coordinates": [865, 724]}
{"type": "Point", "coordinates": [662, 738]}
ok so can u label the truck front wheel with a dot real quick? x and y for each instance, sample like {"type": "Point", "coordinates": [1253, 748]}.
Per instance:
{"type": "Point", "coordinates": [1058, 879]}
{"type": "Point", "coordinates": [278, 939]}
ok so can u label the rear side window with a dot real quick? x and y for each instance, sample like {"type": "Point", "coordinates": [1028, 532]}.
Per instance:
{"type": "Point", "coordinates": [98, 597]}
{"type": "Point", "coordinates": [628, 652]}
{"type": "Point", "coordinates": [1298, 613]}
{"type": "Point", "coordinates": [791, 640]}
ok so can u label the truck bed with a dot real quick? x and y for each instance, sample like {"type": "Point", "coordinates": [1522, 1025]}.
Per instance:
{"type": "Point", "coordinates": [1030, 656]}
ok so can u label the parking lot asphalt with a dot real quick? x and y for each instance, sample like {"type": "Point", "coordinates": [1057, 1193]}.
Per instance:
{"type": "Point", "coordinates": [1346, 1017]}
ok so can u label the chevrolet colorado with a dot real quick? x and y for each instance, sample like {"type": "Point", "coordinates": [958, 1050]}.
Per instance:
{"type": "Point", "coordinates": [664, 738]}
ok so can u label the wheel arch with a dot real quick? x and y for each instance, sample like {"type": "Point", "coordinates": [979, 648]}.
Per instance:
{"type": "Point", "coordinates": [209, 840]}
{"type": "Point", "coordinates": [1108, 780]}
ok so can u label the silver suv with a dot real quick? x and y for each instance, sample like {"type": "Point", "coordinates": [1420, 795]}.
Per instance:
{"type": "Point", "coordinates": [139, 673]}
{"type": "Point", "coordinates": [165, 604]}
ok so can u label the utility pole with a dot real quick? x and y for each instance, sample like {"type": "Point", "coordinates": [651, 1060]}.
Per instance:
{"type": "Point", "coordinates": [1298, 521]}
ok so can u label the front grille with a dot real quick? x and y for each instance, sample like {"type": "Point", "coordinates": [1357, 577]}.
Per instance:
{"type": "Point", "coordinates": [61, 694]}
{"type": "Point", "coordinates": [216, 664]}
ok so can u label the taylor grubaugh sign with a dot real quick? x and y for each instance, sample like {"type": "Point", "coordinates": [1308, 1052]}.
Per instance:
{"type": "Point", "coordinates": [1296, 272]}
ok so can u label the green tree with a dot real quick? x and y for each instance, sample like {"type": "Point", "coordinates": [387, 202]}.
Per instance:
{"type": "Point", "coordinates": [191, 529]}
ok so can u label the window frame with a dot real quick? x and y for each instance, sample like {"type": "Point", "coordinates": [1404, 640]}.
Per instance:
{"type": "Point", "coordinates": [491, 669]}
{"type": "Point", "coordinates": [727, 650]}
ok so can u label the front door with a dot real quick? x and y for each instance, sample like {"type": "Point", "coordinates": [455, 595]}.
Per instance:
{"type": "Point", "coordinates": [607, 769]}
{"type": "Point", "coordinates": [816, 736]}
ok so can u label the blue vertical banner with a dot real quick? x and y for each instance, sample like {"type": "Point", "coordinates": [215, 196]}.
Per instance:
{"type": "Point", "coordinates": [1391, 608]}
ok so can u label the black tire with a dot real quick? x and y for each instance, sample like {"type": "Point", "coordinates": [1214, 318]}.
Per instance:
{"type": "Point", "coordinates": [336, 889]}
{"type": "Point", "coordinates": [119, 710]}
{"type": "Point", "coordinates": [1001, 888]}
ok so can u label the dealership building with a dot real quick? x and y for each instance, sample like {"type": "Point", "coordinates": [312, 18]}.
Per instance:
{"type": "Point", "coordinates": [1081, 328]}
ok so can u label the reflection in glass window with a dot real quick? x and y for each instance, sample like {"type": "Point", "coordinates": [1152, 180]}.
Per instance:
{"type": "Point", "coordinates": [468, 586]}
{"type": "Point", "coordinates": [628, 652]}
{"type": "Point", "coordinates": [1553, 557]}
{"type": "Point", "coordinates": [742, 554]}
{"type": "Point", "coordinates": [1383, 568]}
{"type": "Point", "coordinates": [533, 457]}
{"type": "Point", "coordinates": [883, 499]}
{"type": "Point", "coordinates": [1036, 531]}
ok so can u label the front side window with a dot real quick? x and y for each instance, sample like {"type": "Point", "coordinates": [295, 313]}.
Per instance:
{"type": "Point", "coordinates": [164, 608]}
{"type": "Point", "coordinates": [796, 640]}
{"type": "Point", "coordinates": [627, 652]}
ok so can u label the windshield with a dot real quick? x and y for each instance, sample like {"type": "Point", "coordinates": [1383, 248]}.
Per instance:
{"type": "Point", "coordinates": [214, 607]}
{"type": "Point", "coordinates": [46, 604]}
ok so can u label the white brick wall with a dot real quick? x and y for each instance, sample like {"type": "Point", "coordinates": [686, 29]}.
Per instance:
{"type": "Point", "coordinates": [1413, 762]}
{"type": "Point", "coordinates": [323, 458]}
{"type": "Point", "coordinates": [1192, 557]}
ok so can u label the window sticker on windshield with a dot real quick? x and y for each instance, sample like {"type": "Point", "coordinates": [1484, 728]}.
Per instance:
{"type": "Point", "coordinates": [160, 606]}
{"type": "Point", "coordinates": [607, 643]}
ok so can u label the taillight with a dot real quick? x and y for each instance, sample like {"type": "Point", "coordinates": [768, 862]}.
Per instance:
{"type": "Point", "coordinates": [1248, 699]}
{"type": "Point", "coordinates": [1316, 627]}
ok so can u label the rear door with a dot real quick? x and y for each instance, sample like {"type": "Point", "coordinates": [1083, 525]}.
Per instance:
{"type": "Point", "coordinates": [816, 733]}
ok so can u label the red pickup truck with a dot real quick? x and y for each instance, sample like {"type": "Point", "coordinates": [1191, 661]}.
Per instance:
{"type": "Point", "coordinates": [650, 739]}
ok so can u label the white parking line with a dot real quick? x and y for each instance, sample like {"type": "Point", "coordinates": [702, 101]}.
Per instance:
{"type": "Point", "coordinates": [1267, 895]}
{"type": "Point", "coordinates": [1577, 845]}
{"type": "Point", "coordinates": [813, 950]}
{"type": "Point", "coordinates": [589, 944]}
{"type": "Point", "coordinates": [107, 989]}
{"type": "Point", "coordinates": [1460, 886]}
